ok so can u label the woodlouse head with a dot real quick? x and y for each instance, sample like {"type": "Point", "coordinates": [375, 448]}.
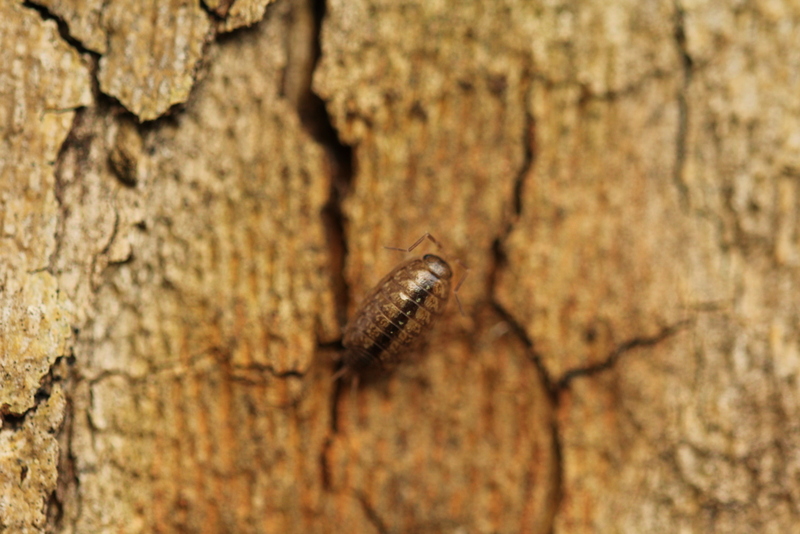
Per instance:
{"type": "Point", "coordinates": [437, 266]}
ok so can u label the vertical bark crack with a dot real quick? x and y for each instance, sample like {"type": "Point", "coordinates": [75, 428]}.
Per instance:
{"type": "Point", "coordinates": [683, 108]}
{"type": "Point", "coordinates": [371, 513]}
{"type": "Point", "coordinates": [500, 262]}
{"type": "Point", "coordinates": [304, 50]}
{"type": "Point", "coordinates": [306, 24]}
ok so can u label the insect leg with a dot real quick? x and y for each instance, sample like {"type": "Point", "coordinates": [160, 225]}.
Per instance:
{"type": "Point", "coordinates": [354, 395]}
{"type": "Point", "coordinates": [458, 286]}
{"type": "Point", "coordinates": [339, 374]}
{"type": "Point", "coordinates": [416, 243]}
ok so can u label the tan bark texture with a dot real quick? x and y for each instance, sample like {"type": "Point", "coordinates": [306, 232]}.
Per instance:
{"type": "Point", "coordinates": [194, 196]}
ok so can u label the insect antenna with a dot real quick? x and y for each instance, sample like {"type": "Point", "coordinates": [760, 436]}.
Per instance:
{"type": "Point", "coordinates": [416, 243]}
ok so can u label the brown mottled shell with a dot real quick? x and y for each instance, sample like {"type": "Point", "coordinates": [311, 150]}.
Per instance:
{"type": "Point", "coordinates": [398, 312]}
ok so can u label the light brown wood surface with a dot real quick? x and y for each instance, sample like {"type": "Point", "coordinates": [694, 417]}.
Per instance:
{"type": "Point", "coordinates": [195, 196]}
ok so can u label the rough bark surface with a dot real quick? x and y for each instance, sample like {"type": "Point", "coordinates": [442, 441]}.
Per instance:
{"type": "Point", "coordinates": [621, 180]}
{"type": "Point", "coordinates": [42, 81]}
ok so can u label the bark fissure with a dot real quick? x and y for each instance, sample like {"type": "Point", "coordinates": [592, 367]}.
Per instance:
{"type": "Point", "coordinates": [371, 514]}
{"type": "Point", "coordinates": [297, 87]}
{"type": "Point", "coordinates": [67, 483]}
{"type": "Point", "coordinates": [13, 421]}
{"type": "Point", "coordinates": [220, 13]}
{"type": "Point", "coordinates": [341, 168]}
{"type": "Point", "coordinates": [73, 141]}
{"type": "Point", "coordinates": [500, 261]}
{"type": "Point", "coordinates": [63, 27]}
{"type": "Point", "coordinates": [552, 394]}
{"type": "Point", "coordinates": [621, 350]}
{"type": "Point", "coordinates": [519, 331]}
{"type": "Point", "coordinates": [683, 109]}
{"type": "Point", "coordinates": [306, 23]}
{"type": "Point", "coordinates": [527, 164]}
{"type": "Point", "coordinates": [314, 115]}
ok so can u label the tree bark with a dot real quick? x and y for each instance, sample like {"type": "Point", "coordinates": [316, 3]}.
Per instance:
{"type": "Point", "coordinates": [194, 197]}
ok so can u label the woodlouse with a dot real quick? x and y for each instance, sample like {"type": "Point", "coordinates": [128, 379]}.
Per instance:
{"type": "Point", "coordinates": [397, 313]}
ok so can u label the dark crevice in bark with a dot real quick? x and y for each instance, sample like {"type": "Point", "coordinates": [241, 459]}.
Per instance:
{"type": "Point", "coordinates": [546, 381]}
{"type": "Point", "coordinates": [552, 393]}
{"type": "Point", "coordinates": [499, 256]}
{"type": "Point", "coordinates": [683, 109]}
{"type": "Point", "coordinates": [67, 482]}
{"type": "Point", "coordinates": [371, 513]}
{"type": "Point", "coordinates": [520, 333]}
{"type": "Point", "coordinates": [500, 262]}
{"type": "Point", "coordinates": [60, 372]}
{"type": "Point", "coordinates": [14, 421]}
{"type": "Point", "coordinates": [623, 348]}
{"type": "Point", "coordinates": [218, 13]}
{"type": "Point", "coordinates": [103, 102]}
{"type": "Point", "coordinates": [75, 151]}
{"type": "Point", "coordinates": [340, 166]}
{"type": "Point", "coordinates": [78, 141]}
{"type": "Point", "coordinates": [324, 468]}
{"type": "Point", "coordinates": [527, 164]}
{"type": "Point", "coordinates": [304, 50]}
{"type": "Point", "coordinates": [339, 156]}
{"type": "Point", "coordinates": [557, 496]}
{"type": "Point", "coordinates": [58, 193]}
{"type": "Point", "coordinates": [63, 28]}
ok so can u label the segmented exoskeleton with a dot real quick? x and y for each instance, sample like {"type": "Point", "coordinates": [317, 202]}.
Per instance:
{"type": "Point", "coordinates": [397, 313]}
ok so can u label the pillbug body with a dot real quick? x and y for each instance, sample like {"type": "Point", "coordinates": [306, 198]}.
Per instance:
{"type": "Point", "coordinates": [397, 313]}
